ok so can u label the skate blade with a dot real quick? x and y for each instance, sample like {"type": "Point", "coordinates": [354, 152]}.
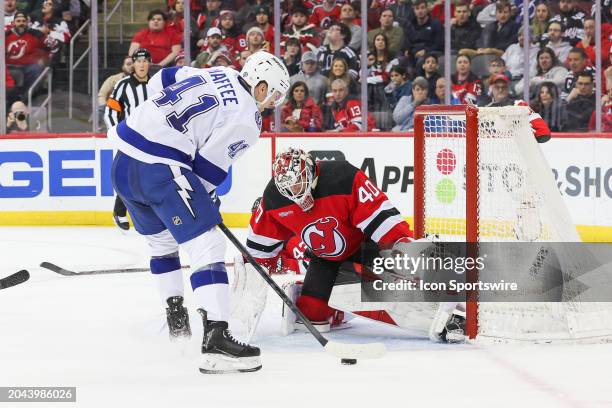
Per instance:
{"type": "Point", "coordinates": [220, 364]}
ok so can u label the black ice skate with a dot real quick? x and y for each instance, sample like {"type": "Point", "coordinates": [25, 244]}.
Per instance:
{"type": "Point", "coordinates": [121, 222]}
{"type": "Point", "coordinates": [120, 215]}
{"type": "Point", "coordinates": [178, 318]}
{"type": "Point", "coordinates": [222, 354]}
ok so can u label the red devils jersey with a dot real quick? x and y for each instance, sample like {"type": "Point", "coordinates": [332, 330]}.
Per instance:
{"type": "Point", "coordinates": [349, 119]}
{"type": "Point", "coordinates": [24, 49]}
{"type": "Point", "coordinates": [348, 209]}
{"type": "Point", "coordinates": [322, 18]}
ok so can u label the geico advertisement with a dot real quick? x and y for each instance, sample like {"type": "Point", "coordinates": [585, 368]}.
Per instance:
{"type": "Point", "coordinates": [75, 174]}
{"type": "Point", "coordinates": [55, 174]}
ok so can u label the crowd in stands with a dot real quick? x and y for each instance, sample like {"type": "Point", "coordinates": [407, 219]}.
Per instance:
{"type": "Point", "coordinates": [321, 40]}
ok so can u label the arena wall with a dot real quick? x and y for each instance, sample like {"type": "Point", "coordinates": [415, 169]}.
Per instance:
{"type": "Point", "coordinates": [55, 179]}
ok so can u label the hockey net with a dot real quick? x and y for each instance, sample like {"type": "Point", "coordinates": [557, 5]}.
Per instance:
{"type": "Point", "coordinates": [480, 177]}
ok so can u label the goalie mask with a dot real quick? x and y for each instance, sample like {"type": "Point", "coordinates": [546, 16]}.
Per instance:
{"type": "Point", "coordinates": [294, 176]}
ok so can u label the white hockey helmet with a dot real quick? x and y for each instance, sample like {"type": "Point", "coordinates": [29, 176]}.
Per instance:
{"type": "Point", "coordinates": [265, 67]}
{"type": "Point", "coordinates": [294, 176]}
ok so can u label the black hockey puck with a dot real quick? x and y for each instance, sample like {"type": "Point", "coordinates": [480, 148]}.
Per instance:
{"type": "Point", "coordinates": [348, 361]}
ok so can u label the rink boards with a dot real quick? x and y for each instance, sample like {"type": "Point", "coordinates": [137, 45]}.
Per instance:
{"type": "Point", "coordinates": [65, 179]}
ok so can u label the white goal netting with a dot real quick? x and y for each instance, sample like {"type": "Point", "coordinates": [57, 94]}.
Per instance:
{"type": "Point", "coordinates": [517, 201]}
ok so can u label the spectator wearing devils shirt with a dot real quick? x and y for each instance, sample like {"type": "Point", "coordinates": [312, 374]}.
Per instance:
{"type": "Point", "coordinates": [325, 14]}
{"type": "Point", "coordinates": [346, 112]}
{"type": "Point", "coordinates": [162, 42]}
{"type": "Point", "coordinates": [466, 87]}
{"type": "Point", "coordinates": [25, 50]}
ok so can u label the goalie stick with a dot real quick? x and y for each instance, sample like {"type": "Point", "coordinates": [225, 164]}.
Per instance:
{"type": "Point", "coordinates": [341, 350]}
{"type": "Point", "coordinates": [14, 279]}
{"type": "Point", "coordinates": [67, 272]}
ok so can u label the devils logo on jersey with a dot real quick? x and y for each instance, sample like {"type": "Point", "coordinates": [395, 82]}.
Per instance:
{"type": "Point", "coordinates": [16, 49]}
{"type": "Point", "coordinates": [324, 238]}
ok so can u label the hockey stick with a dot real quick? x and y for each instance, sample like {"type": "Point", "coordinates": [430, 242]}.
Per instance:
{"type": "Point", "coordinates": [341, 350]}
{"type": "Point", "coordinates": [14, 279]}
{"type": "Point", "coordinates": [66, 272]}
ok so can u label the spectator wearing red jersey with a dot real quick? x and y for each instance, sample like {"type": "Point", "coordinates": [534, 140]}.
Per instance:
{"type": "Point", "coordinates": [231, 35]}
{"type": "Point", "coordinates": [588, 41]}
{"type": "Point", "coordinates": [325, 14]}
{"type": "Point", "coordinates": [301, 113]}
{"type": "Point", "coordinates": [176, 20]}
{"type": "Point", "coordinates": [466, 87]}
{"type": "Point", "coordinates": [25, 50]}
{"type": "Point", "coordinates": [305, 33]}
{"type": "Point", "coordinates": [162, 42]}
{"type": "Point", "coordinates": [346, 112]}
{"type": "Point", "coordinates": [207, 18]}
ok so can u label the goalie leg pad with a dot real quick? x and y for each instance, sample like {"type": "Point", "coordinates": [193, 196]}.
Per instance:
{"type": "Point", "coordinates": [314, 309]}
{"type": "Point", "coordinates": [248, 292]}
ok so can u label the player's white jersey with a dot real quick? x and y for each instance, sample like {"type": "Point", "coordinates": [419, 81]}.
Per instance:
{"type": "Point", "coordinates": [200, 119]}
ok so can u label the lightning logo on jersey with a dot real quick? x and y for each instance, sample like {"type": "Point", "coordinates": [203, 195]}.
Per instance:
{"type": "Point", "coordinates": [183, 190]}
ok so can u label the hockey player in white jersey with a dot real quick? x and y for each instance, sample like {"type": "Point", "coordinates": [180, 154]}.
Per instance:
{"type": "Point", "coordinates": [174, 150]}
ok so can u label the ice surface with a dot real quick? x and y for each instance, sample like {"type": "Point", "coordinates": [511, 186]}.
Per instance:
{"type": "Point", "coordinates": [106, 336]}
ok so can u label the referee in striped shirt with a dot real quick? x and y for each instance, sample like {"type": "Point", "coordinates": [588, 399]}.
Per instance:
{"type": "Point", "coordinates": [128, 93]}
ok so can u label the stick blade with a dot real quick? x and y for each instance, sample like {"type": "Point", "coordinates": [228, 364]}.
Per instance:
{"type": "Point", "coordinates": [56, 269]}
{"type": "Point", "coordinates": [356, 351]}
{"type": "Point", "coordinates": [14, 279]}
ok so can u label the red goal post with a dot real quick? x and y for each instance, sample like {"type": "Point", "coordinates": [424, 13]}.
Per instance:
{"type": "Point", "coordinates": [470, 135]}
{"type": "Point", "coordinates": [479, 175]}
